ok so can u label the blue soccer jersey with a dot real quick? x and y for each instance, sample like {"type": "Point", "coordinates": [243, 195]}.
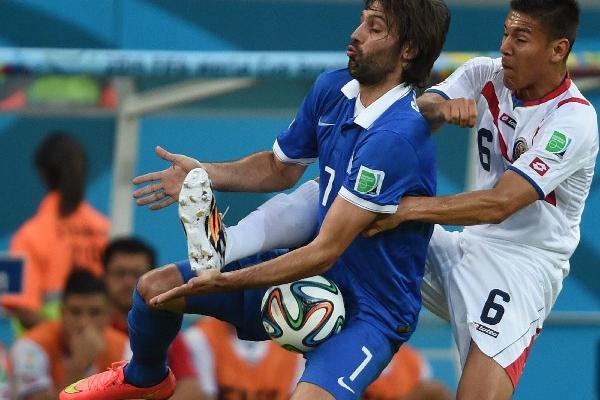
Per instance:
{"type": "Point", "coordinates": [371, 157]}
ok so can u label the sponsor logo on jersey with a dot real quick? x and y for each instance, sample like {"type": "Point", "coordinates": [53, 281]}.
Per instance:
{"type": "Point", "coordinates": [508, 121]}
{"type": "Point", "coordinates": [539, 166]}
{"type": "Point", "coordinates": [519, 148]}
{"type": "Point", "coordinates": [323, 123]}
{"type": "Point", "coordinates": [488, 331]}
{"type": "Point", "coordinates": [344, 385]}
{"type": "Point", "coordinates": [558, 144]}
{"type": "Point", "coordinates": [369, 181]}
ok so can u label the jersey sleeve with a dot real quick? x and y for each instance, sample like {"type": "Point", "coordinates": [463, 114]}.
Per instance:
{"type": "Point", "coordinates": [468, 80]}
{"type": "Point", "coordinates": [298, 143]}
{"type": "Point", "coordinates": [384, 168]}
{"type": "Point", "coordinates": [30, 368]}
{"type": "Point", "coordinates": [565, 143]}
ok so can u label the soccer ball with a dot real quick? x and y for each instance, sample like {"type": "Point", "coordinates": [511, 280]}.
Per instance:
{"type": "Point", "coordinates": [303, 314]}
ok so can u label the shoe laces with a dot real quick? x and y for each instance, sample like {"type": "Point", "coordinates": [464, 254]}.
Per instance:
{"type": "Point", "coordinates": [223, 214]}
{"type": "Point", "coordinates": [107, 378]}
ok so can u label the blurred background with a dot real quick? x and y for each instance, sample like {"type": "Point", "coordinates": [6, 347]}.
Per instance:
{"type": "Point", "coordinates": [212, 117]}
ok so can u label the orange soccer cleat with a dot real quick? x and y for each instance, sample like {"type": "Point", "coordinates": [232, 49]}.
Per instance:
{"type": "Point", "coordinates": [111, 385]}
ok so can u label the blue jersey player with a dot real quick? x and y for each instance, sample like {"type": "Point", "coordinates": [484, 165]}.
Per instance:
{"type": "Point", "coordinates": [373, 147]}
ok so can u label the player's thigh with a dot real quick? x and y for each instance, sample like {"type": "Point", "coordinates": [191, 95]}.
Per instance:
{"type": "Point", "coordinates": [496, 299]}
{"type": "Point", "coordinates": [483, 378]}
{"type": "Point", "coordinates": [347, 363]}
{"type": "Point", "coordinates": [443, 254]}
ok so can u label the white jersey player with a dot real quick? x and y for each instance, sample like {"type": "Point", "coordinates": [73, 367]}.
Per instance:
{"type": "Point", "coordinates": [551, 142]}
{"type": "Point", "coordinates": [502, 279]}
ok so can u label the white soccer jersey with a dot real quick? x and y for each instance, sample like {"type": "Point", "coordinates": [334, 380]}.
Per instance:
{"type": "Point", "coordinates": [551, 142]}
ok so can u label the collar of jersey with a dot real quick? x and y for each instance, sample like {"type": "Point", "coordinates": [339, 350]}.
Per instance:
{"type": "Point", "coordinates": [563, 87]}
{"type": "Point", "coordinates": [367, 116]}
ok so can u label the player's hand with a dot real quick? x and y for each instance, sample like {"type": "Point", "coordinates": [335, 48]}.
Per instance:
{"type": "Point", "coordinates": [386, 222]}
{"type": "Point", "coordinates": [204, 283]}
{"type": "Point", "coordinates": [164, 186]}
{"type": "Point", "coordinates": [382, 224]}
{"type": "Point", "coordinates": [461, 112]}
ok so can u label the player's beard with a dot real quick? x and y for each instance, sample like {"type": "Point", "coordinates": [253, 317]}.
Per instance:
{"type": "Point", "coordinates": [369, 70]}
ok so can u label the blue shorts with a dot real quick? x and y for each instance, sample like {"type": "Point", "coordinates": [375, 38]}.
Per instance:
{"type": "Point", "coordinates": [343, 366]}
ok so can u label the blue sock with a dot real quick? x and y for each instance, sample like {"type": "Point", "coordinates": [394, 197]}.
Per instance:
{"type": "Point", "coordinates": [150, 333]}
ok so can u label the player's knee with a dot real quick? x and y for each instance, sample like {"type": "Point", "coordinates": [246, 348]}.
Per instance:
{"type": "Point", "coordinates": [158, 281]}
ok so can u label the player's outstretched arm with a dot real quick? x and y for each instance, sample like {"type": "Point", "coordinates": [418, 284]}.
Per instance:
{"type": "Point", "coordinates": [512, 193]}
{"type": "Point", "coordinates": [259, 172]}
{"type": "Point", "coordinates": [163, 187]}
{"type": "Point", "coordinates": [343, 222]}
{"type": "Point", "coordinates": [437, 111]}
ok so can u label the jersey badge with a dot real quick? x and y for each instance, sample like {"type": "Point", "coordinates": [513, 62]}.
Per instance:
{"type": "Point", "coordinates": [519, 148]}
{"type": "Point", "coordinates": [558, 144]}
{"type": "Point", "coordinates": [539, 166]}
{"type": "Point", "coordinates": [369, 181]}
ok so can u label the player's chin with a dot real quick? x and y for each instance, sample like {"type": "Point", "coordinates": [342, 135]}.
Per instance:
{"type": "Point", "coordinates": [352, 67]}
{"type": "Point", "coordinates": [510, 82]}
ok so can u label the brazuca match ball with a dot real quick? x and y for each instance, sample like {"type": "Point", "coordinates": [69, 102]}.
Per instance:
{"type": "Point", "coordinates": [303, 314]}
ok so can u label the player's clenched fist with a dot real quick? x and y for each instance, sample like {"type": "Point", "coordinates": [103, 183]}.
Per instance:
{"type": "Point", "coordinates": [461, 112]}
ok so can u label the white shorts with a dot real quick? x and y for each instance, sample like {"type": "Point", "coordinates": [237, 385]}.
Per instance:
{"type": "Point", "coordinates": [494, 292]}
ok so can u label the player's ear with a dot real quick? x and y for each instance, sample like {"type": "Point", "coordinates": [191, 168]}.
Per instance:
{"type": "Point", "coordinates": [409, 52]}
{"type": "Point", "coordinates": [560, 50]}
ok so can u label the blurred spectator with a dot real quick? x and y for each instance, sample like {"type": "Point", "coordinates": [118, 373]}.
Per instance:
{"type": "Point", "coordinates": [407, 377]}
{"type": "Point", "coordinates": [65, 231]}
{"type": "Point", "coordinates": [125, 260]}
{"type": "Point", "coordinates": [230, 368]}
{"type": "Point", "coordinates": [56, 353]}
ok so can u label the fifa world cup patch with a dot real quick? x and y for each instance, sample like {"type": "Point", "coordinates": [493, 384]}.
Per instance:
{"type": "Point", "coordinates": [558, 144]}
{"type": "Point", "coordinates": [539, 166]}
{"type": "Point", "coordinates": [369, 181]}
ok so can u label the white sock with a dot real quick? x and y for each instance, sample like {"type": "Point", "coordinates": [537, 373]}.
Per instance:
{"type": "Point", "coordinates": [284, 221]}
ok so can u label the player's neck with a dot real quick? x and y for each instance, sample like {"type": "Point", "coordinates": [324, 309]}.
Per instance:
{"type": "Point", "coordinates": [541, 88]}
{"type": "Point", "coordinates": [370, 93]}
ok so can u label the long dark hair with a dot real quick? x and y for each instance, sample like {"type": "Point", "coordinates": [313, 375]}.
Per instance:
{"type": "Point", "coordinates": [62, 164]}
{"type": "Point", "coordinates": [423, 24]}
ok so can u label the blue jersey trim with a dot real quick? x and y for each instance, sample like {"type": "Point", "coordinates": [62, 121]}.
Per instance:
{"type": "Point", "coordinates": [365, 204]}
{"type": "Point", "coordinates": [537, 188]}
{"type": "Point", "coordinates": [281, 156]}
{"type": "Point", "coordinates": [437, 91]}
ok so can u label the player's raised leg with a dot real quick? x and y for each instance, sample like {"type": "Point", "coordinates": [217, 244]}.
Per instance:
{"type": "Point", "coordinates": [151, 330]}
{"type": "Point", "coordinates": [283, 221]}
